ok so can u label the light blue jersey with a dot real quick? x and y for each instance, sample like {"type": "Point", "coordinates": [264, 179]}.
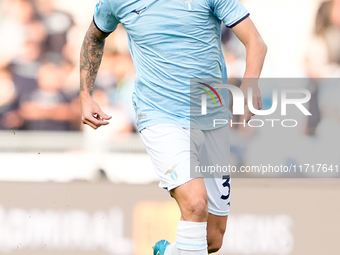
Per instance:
{"type": "Point", "coordinates": [172, 41]}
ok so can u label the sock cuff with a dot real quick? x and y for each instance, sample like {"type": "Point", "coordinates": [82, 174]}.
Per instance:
{"type": "Point", "coordinates": [192, 236]}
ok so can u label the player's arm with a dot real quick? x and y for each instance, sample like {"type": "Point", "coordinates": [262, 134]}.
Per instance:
{"type": "Point", "coordinates": [90, 58]}
{"type": "Point", "coordinates": [256, 51]}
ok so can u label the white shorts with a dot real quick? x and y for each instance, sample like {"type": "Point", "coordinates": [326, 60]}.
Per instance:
{"type": "Point", "coordinates": [173, 150]}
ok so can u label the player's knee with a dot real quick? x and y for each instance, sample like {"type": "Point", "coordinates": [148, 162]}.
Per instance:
{"type": "Point", "coordinates": [197, 210]}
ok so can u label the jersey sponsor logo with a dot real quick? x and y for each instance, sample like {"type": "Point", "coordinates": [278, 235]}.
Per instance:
{"type": "Point", "coordinates": [189, 5]}
{"type": "Point", "coordinates": [139, 11]}
{"type": "Point", "coordinates": [172, 172]}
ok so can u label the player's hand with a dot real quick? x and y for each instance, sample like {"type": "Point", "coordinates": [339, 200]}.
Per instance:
{"type": "Point", "coordinates": [256, 96]}
{"type": "Point", "coordinates": [91, 114]}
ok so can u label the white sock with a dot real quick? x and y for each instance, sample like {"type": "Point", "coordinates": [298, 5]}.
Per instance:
{"type": "Point", "coordinates": [191, 239]}
{"type": "Point", "coordinates": [171, 250]}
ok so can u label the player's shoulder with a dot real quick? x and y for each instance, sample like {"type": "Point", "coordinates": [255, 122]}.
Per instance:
{"type": "Point", "coordinates": [109, 8]}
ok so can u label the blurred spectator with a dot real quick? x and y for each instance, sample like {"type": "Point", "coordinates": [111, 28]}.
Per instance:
{"type": "Point", "coordinates": [24, 68]}
{"type": "Point", "coordinates": [323, 54]}
{"type": "Point", "coordinates": [57, 25]}
{"type": "Point", "coordinates": [47, 107]}
{"type": "Point", "coordinates": [9, 118]}
{"type": "Point", "coordinates": [323, 64]}
{"type": "Point", "coordinates": [323, 61]}
{"type": "Point", "coordinates": [20, 25]}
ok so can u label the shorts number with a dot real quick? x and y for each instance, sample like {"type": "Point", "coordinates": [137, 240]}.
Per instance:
{"type": "Point", "coordinates": [226, 184]}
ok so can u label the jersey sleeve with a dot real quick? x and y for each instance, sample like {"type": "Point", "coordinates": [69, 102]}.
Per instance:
{"type": "Point", "coordinates": [104, 17]}
{"type": "Point", "coordinates": [231, 12]}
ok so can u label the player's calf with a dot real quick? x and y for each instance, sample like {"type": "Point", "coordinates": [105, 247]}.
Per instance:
{"type": "Point", "coordinates": [191, 235]}
{"type": "Point", "coordinates": [215, 244]}
{"type": "Point", "coordinates": [215, 231]}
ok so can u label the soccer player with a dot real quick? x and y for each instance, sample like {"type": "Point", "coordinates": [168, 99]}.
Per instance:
{"type": "Point", "coordinates": [171, 42]}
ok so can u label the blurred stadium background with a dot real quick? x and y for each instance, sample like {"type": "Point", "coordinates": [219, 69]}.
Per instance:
{"type": "Point", "coordinates": [66, 189]}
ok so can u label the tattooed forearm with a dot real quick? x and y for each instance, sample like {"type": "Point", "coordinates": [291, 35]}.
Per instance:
{"type": "Point", "coordinates": [90, 57]}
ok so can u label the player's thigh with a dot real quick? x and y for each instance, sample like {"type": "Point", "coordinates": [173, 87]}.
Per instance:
{"type": "Point", "coordinates": [173, 151]}
{"type": "Point", "coordinates": [216, 152]}
{"type": "Point", "coordinates": [218, 193]}
{"type": "Point", "coordinates": [169, 149]}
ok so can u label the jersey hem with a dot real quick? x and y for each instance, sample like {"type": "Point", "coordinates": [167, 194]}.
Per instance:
{"type": "Point", "coordinates": [218, 213]}
{"type": "Point", "coordinates": [173, 186]}
{"type": "Point", "coordinates": [238, 21]}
